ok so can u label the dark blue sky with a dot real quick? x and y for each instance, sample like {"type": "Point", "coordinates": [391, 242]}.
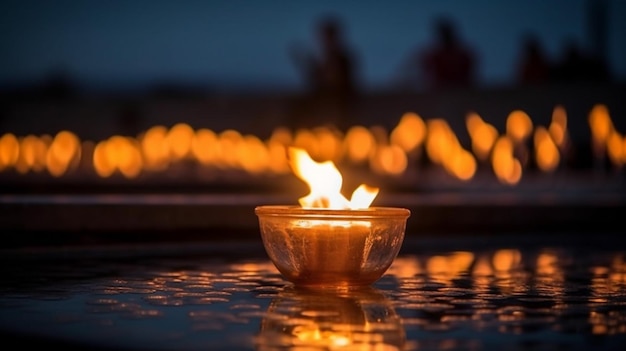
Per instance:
{"type": "Point", "coordinates": [244, 43]}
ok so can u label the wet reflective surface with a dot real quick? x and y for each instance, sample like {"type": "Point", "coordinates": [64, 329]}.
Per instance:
{"type": "Point", "coordinates": [440, 294]}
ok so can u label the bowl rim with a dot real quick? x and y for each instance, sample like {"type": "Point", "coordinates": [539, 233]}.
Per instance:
{"type": "Point", "coordinates": [293, 211]}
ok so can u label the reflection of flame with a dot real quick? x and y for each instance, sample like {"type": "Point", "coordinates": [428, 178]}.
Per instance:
{"type": "Point", "coordinates": [506, 260]}
{"type": "Point", "coordinates": [325, 181]}
{"type": "Point", "coordinates": [309, 320]}
{"type": "Point", "coordinates": [450, 266]}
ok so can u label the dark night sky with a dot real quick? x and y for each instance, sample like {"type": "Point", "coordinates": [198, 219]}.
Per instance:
{"type": "Point", "coordinates": [235, 44]}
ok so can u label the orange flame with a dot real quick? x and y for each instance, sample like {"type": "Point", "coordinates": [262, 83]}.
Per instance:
{"type": "Point", "coordinates": [325, 181]}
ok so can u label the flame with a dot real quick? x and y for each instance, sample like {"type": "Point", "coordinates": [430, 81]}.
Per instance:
{"type": "Point", "coordinates": [325, 181]}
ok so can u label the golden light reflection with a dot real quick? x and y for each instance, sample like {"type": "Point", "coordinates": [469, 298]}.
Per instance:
{"type": "Point", "coordinates": [506, 260]}
{"type": "Point", "coordinates": [304, 320]}
{"type": "Point", "coordinates": [449, 266]}
{"type": "Point", "coordinates": [608, 281]}
{"type": "Point", "coordinates": [405, 267]}
{"type": "Point", "coordinates": [482, 267]}
{"type": "Point", "coordinates": [550, 276]}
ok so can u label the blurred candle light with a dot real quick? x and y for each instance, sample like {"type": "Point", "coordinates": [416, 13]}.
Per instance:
{"type": "Point", "coordinates": [505, 166]}
{"type": "Point", "coordinates": [9, 150]}
{"type": "Point", "coordinates": [204, 146]}
{"type": "Point", "coordinates": [519, 127]}
{"type": "Point", "coordinates": [103, 167]}
{"type": "Point", "coordinates": [615, 144]}
{"type": "Point", "coordinates": [27, 154]}
{"type": "Point", "coordinates": [389, 160]}
{"type": "Point", "coordinates": [229, 141]}
{"type": "Point", "coordinates": [443, 148]}
{"type": "Point", "coordinates": [601, 126]}
{"type": "Point", "coordinates": [154, 149]}
{"type": "Point", "coordinates": [179, 139]}
{"type": "Point", "coordinates": [546, 151]}
{"type": "Point", "coordinates": [62, 153]}
{"type": "Point", "coordinates": [482, 134]}
{"type": "Point", "coordinates": [253, 155]}
{"type": "Point", "coordinates": [409, 133]}
{"type": "Point", "coordinates": [558, 127]}
{"type": "Point", "coordinates": [359, 144]}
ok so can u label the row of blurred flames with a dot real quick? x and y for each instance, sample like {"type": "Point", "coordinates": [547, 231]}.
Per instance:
{"type": "Point", "coordinates": [385, 152]}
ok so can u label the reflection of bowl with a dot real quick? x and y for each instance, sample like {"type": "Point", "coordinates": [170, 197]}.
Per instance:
{"type": "Point", "coordinates": [332, 248]}
{"type": "Point", "coordinates": [309, 319]}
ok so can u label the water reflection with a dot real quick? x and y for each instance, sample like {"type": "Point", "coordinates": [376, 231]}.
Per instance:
{"type": "Point", "coordinates": [362, 319]}
{"type": "Point", "coordinates": [432, 298]}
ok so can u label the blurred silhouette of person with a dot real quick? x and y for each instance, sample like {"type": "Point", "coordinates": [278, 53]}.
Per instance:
{"type": "Point", "coordinates": [330, 75]}
{"type": "Point", "coordinates": [533, 67]}
{"type": "Point", "coordinates": [577, 66]}
{"type": "Point", "coordinates": [449, 63]}
{"type": "Point", "coordinates": [57, 84]}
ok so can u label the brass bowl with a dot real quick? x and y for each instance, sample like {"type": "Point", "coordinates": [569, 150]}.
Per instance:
{"type": "Point", "coordinates": [332, 248]}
